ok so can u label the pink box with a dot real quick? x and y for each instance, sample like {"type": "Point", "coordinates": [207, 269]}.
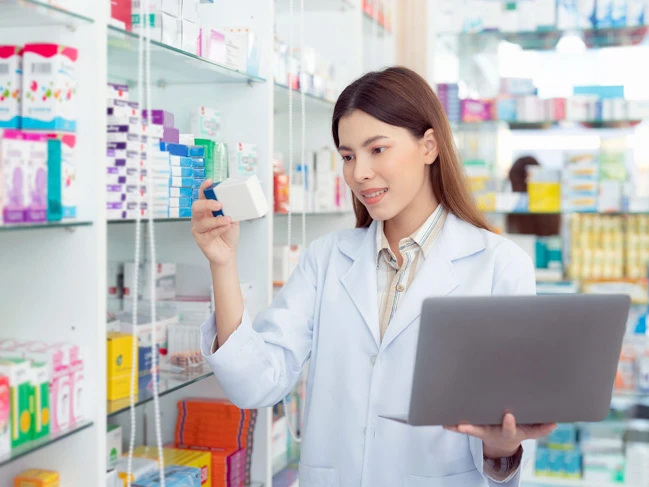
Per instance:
{"type": "Point", "coordinates": [76, 384]}
{"type": "Point", "coordinates": [5, 429]}
{"type": "Point", "coordinates": [14, 152]}
{"type": "Point", "coordinates": [36, 178]}
{"type": "Point", "coordinates": [475, 110]}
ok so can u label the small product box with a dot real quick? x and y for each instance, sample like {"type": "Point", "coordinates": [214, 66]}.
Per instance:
{"type": "Point", "coordinates": [121, 13]}
{"type": "Point", "coordinates": [36, 178]}
{"type": "Point", "coordinates": [206, 124]}
{"type": "Point", "coordinates": [18, 372]}
{"type": "Point", "coordinates": [113, 445]}
{"type": "Point", "coordinates": [184, 458]}
{"type": "Point", "coordinates": [11, 85]}
{"type": "Point", "coordinates": [243, 160]}
{"type": "Point", "coordinates": [174, 476]}
{"type": "Point", "coordinates": [14, 153]}
{"type": "Point", "coordinates": [37, 478]}
{"type": "Point", "coordinates": [192, 40]}
{"type": "Point", "coordinates": [141, 468]}
{"type": "Point", "coordinates": [165, 281]}
{"type": "Point", "coordinates": [5, 416]}
{"type": "Point", "coordinates": [50, 87]}
{"type": "Point", "coordinates": [54, 181]}
{"type": "Point", "coordinates": [171, 30]}
{"type": "Point", "coordinates": [57, 364]}
{"type": "Point", "coordinates": [77, 380]}
{"type": "Point", "coordinates": [214, 47]}
{"type": "Point", "coordinates": [40, 400]}
{"type": "Point", "coordinates": [189, 11]}
{"type": "Point", "coordinates": [119, 355]}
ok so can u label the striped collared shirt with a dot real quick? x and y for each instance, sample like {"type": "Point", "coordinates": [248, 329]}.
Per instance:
{"type": "Point", "coordinates": [394, 281]}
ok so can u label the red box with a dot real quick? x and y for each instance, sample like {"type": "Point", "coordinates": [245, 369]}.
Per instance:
{"type": "Point", "coordinates": [121, 11]}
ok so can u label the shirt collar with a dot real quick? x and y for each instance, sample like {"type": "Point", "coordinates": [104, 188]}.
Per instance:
{"type": "Point", "coordinates": [422, 238]}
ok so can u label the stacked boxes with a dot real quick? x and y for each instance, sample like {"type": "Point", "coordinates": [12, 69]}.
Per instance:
{"type": "Point", "coordinates": [224, 430]}
{"type": "Point", "coordinates": [187, 174]}
{"type": "Point", "coordinates": [199, 460]}
{"type": "Point", "coordinates": [18, 372]}
{"type": "Point", "coordinates": [449, 96]}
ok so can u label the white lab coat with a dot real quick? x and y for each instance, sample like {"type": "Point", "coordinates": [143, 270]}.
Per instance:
{"type": "Point", "coordinates": [328, 313]}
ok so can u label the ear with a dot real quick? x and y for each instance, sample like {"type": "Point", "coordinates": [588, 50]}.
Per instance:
{"type": "Point", "coordinates": [430, 147]}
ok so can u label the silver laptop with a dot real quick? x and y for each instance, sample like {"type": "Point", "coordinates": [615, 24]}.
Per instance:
{"type": "Point", "coordinates": [546, 359]}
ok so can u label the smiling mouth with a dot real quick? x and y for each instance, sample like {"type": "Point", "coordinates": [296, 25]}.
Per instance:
{"type": "Point", "coordinates": [375, 194]}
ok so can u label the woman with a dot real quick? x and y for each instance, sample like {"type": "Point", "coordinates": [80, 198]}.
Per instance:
{"type": "Point", "coordinates": [352, 305]}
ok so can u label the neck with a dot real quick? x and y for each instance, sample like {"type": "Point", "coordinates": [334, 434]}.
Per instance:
{"type": "Point", "coordinates": [411, 218]}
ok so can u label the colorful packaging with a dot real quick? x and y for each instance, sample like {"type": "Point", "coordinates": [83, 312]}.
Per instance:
{"type": "Point", "coordinates": [243, 161]}
{"type": "Point", "coordinates": [36, 178]}
{"type": "Point", "coordinates": [68, 172]}
{"type": "Point", "coordinates": [141, 468]}
{"type": "Point", "coordinates": [475, 110]}
{"type": "Point", "coordinates": [11, 84]}
{"type": "Point", "coordinates": [183, 458]}
{"type": "Point", "coordinates": [50, 87]}
{"type": "Point", "coordinates": [54, 181]}
{"type": "Point", "coordinates": [120, 12]}
{"type": "Point", "coordinates": [58, 369]}
{"type": "Point", "coordinates": [5, 418]}
{"type": "Point", "coordinates": [40, 400]}
{"type": "Point", "coordinates": [37, 478]}
{"type": "Point", "coordinates": [14, 153]}
{"type": "Point", "coordinates": [19, 374]}
{"type": "Point", "coordinates": [173, 477]}
{"type": "Point", "coordinates": [119, 362]}
{"type": "Point", "coordinates": [76, 384]}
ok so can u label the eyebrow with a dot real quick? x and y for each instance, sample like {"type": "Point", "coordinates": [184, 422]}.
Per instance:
{"type": "Point", "coordinates": [366, 143]}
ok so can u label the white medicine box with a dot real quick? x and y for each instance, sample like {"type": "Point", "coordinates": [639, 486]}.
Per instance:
{"type": "Point", "coordinates": [11, 60]}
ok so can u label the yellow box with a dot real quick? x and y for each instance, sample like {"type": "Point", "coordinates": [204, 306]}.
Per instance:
{"type": "Point", "coordinates": [119, 387]}
{"type": "Point", "coordinates": [544, 197]}
{"type": "Point", "coordinates": [201, 460]}
{"type": "Point", "coordinates": [119, 352]}
{"type": "Point", "coordinates": [37, 478]}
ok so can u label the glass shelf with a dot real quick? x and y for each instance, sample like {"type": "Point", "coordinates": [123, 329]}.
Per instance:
{"type": "Point", "coordinates": [31, 13]}
{"type": "Point", "coordinates": [551, 481]}
{"type": "Point", "coordinates": [169, 65]}
{"type": "Point", "coordinates": [22, 227]}
{"type": "Point", "coordinates": [35, 445]}
{"type": "Point", "coordinates": [169, 382]}
{"type": "Point", "coordinates": [145, 220]}
{"type": "Point", "coordinates": [312, 102]}
{"type": "Point", "coordinates": [298, 214]}
{"type": "Point", "coordinates": [590, 124]}
{"type": "Point", "coordinates": [282, 6]}
{"type": "Point", "coordinates": [547, 40]}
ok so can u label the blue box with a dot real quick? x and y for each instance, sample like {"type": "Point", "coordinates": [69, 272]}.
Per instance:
{"type": "Point", "coordinates": [564, 437]}
{"type": "Point", "coordinates": [603, 92]}
{"type": "Point", "coordinates": [174, 476]}
{"type": "Point", "coordinates": [572, 464]}
{"type": "Point", "coordinates": [54, 181]}
{"type": "Point", "coordinates": [180, 202]}
{"type": "Point", "coordinates": [182, 192]}
{"type": "Point", "coordinates": [541, 462]}
{"type": "Point", "coordinates": [182, 172]}
{"type": "Point", "coordinates": [175, 182]}
{"type": "Point", "coordinates": [555, 463]}
{"type": "Point", "coordinates": [195, 194]}
{"type": "Point", "coordinates": [180, 212]}
{"type": "Point", "coordinates": [181, 161]}
{"type": "Point", "coordinates": [199, 173]}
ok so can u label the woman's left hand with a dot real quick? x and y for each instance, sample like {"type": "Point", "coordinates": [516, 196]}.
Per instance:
{"type": "Point", "coordinates": [504, 440]}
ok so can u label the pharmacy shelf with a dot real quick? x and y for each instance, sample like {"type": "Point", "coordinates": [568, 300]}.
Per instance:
{"type": "Point", "coordinates": [589, 124]}
{"type": "Point", "coordinates": [547, 40]}
{"type": "Point", "coordinates": [169, 65]}
{"type": "Point", "coordinates": [36, 445]}
{"type": "Point", "coordinates": [22, 227]}
{"type": "Point", "coordinates": [169, 382]}
{"type": "Point", "coordinates": [312, 103]}
{"type": "Point", "coordinates": [35, 13]}
{"type": "Point", "coordinates": [283, 6]}
{"type": "Point", "coordinates": [298, 214]}
{"type": "Point", "coordinates": [144, 221]}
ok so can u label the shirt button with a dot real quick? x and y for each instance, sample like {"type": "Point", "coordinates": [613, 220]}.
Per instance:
{"type": "Point", "coordinates": [372, 360]}
{"type": "Point", "coordinates": [400, 288]}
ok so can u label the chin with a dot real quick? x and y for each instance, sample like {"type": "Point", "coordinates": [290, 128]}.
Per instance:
{"type": "Point", "coordinates": [381, 214]}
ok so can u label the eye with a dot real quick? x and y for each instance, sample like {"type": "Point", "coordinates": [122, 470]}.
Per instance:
{"type": "Point", "coordinates": [379, 150]}
{"type": "Point", "coordinates": [347, 158]}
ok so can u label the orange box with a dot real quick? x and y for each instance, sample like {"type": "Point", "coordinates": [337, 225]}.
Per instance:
{"type": "Point", "coordinates": [37, 478]}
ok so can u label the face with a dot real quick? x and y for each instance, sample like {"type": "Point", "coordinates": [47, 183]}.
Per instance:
{"type": "Point", "coordinates": [386, 167]}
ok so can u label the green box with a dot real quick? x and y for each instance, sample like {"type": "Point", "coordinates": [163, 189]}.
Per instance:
{"type": "Point", "coordinates": [54, 181]}
{"type": "Point", "coordinates": [19, 373]}
{"type": "Point", "coordinates": [210, 149]}
{"type": "Point", "coordinates": [40, 400]}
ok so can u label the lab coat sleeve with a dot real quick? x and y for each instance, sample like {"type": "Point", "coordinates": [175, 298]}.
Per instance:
{"type": "Point", "coordinates": [261, 361]}
{"type": "Point", "coordinates": [515, 275]}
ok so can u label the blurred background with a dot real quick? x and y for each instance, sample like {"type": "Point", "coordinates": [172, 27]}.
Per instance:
{"type": "Point", "coordinates": [549, 105]}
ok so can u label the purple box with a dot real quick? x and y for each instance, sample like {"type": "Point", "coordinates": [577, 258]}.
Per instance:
{"type": "Point", "coordinates": [171, 135]}
{"type": "Point", "coordinates": [36, 174]}
{"type": "Point", "coordinates": [475, 110]}
{"type": "Point", "coordinates": [14, 153]}
{"type": "Point", "coordinates": [160, 117]}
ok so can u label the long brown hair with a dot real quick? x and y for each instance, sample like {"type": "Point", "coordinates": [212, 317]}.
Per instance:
{"type": "Point", "coordinates": [400, 97]}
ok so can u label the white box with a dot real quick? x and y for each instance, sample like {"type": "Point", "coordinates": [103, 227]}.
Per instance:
{"type": "Point", "coordinates": [206, 123]}
{"type": "Point", "coordinates": [243, 160]}
{"type": "Point", "coordinates": [172, 7]}
{"type": "Point", "coordinates": [213, 45]}
{"type": "Point", "coordinates": [189, 11]}
{"type": "Point", "coordinates": [171, 30]}
{"type": "Point", "coordinates": [191, 38]}
{"type": "Point", "coordinates": [112, 480]}
{"type": "Point", "coordinates": [242, 198]}
{"type": "Point", "coordinates": [285, 260]}
{"type": "Point", "coordinates": [113, 445]}
{"type": "Point", "coordinates": [567, 14]}
{"type": "Point", "coordinates": [11, 83]}
{"type": "Point", "coordinates": [165, 281]}
{"type": "Point", "coordinates": [236, 49]}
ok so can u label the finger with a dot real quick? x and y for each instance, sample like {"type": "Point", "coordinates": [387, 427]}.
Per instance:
{"type": "Point", "coordinates": [541, 430]}
{"type": "Point", "coordinates": [208, 224]}
{"type": "Point", "coordinates": [204, 185]}
{"type": "Point", "coordinates": [454, 429]}
{"type": "Point", "coordinates": [509, 426]}
{"type": "Point", "coordinates": [203, 208]}
{"type": "Point", "coordinates": [471, 430]}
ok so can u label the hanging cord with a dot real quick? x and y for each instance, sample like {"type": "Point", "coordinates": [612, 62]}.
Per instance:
{"type": "Point", "coordinates": [136, 272]}
{"type": "Point", "coordinates": [291, 429]}
{"type": "Point", "coordinates": [144, 64]}
{"type": "Point", "coordinates": [154, 260]}
{"type": "Point", "coordinates": [290, 126]}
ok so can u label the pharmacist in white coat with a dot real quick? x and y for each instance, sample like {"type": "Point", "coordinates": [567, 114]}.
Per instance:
{"type": "Point", "coordinates": [352, 307]}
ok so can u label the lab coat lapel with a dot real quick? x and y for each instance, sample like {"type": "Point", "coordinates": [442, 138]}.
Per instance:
{"type": "Point", "coordinates": [360, 281]}
{"type": "Point", "coordinates": [436, 276]}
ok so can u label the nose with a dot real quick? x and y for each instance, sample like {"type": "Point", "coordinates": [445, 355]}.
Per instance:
{"type": "Point", "coordinates": [363, 170]}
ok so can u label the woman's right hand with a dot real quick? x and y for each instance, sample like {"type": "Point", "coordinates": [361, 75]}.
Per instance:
{"type": "Point", "coordinates": [217, 237]}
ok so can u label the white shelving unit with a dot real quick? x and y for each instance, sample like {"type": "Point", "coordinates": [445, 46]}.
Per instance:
{"type": "Point", "coordinates": [53, 275]}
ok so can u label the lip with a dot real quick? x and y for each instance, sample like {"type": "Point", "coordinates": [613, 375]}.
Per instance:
{"type": "Point", "coordinates": [374, 200]}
